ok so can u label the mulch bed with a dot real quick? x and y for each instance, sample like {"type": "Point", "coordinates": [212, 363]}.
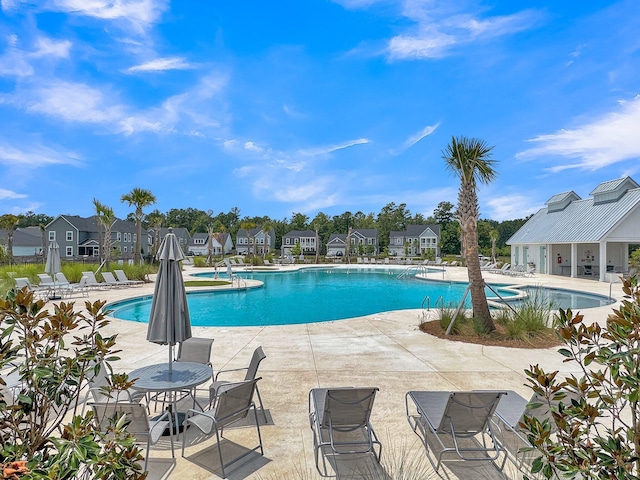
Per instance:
{"type": "Point", "coordinates": [495, 339]}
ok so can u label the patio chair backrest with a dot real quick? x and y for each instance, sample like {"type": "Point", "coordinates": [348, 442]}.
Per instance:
{"type": "Point", "coordinates": [467, 413]}
{"type": "Point", "coordinates": [109, 278]}
{"type": "Point", "coordinates": [347, 407]}
{"type": "Point", "coordinates": [136, 416]}
{"type": "Point", "coordinates": [45, 278]}
{"type": "Point", "coordinates": [22, 282]}
{"type": "Point", "coordinates": [61, 278]}
{"type": "Point", "coordinates": [195, 349]}
{"type": "Point", "coordinates": [91, 278]}
{"type": "Point", "coordinates": [256, 358]}
{"type": "Point", "coordinates": [539, 408]}
{"type": "Point", "coordinates": [233, 401]}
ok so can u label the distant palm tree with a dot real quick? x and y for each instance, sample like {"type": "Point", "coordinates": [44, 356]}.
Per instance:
{"type": "Point", "coordinates": [494, 235]}
{"type": "Point", "coordinates": [247, 226]}
{"type": "Point", "coordinates": [106, 217]}
{"type": "Point", "coordinates": [470, 160]}
{"type": "Point", "coordinates": [141, 198]}
{"type": "Point", "coordinates": [9, 222]}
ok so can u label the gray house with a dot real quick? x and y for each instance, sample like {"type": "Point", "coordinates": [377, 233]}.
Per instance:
{"type": "Point", "coordinates": [415, 241]}
{"type": "Point", "coordinates": [305, 238]}
{"type": "Point", "coordinates": [79, 236]}
{"type": "Point", "coordinates": [27, 242]}
{"type": "Point", "coordinates": [181, 233]}
{"type": "Point", "coordinates": [364, 241]}
{"type": "Point", "coordinates": [257, 241]}
{"type": "Point", "coordinates": [582, 237]}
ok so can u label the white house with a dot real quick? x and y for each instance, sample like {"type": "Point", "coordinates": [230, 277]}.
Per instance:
{"type": "Point", "coordinates": [582, 237]}
{"type": "Point", "coordinates": [415, 241]}
{"type": "Point", "coordinates": [199, 244]}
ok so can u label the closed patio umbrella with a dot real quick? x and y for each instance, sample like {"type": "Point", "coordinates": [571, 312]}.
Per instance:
{"type": "Point", "coordinates": [169, 321]}
{"type": "Point", "coordinates": [52, 265]}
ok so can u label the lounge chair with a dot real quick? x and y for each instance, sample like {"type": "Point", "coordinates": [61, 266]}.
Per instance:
{"type": "Point", "coordinates": [38, 291]}
{"type": "Point", "coordinates": [122, 277]}
{"type": "Point", "coordinates": [340, 421]}
{"type": "Point", "coordinates": [250, 373]}
{"type": "Point", "coordinates": [489, 266]}
{"type": "Point", "coordinates": [112, 281]}
{"type": "Point", "coordinates": [233, 403]}
{"type": "Point", "coordinates": [70, 289]}
{"type": "Point", "coordinates": [448, 422]}
{"type": "Point", "coordinates": [92, 281]}
{"type": "Point", "coordinates": [61, 279]}
{"type": "Point", "coordinates": [45, 280]}
{"type": "Point", "coordinates": [146, 432]}
{"type": "Point", "coordinates": [512, 410]}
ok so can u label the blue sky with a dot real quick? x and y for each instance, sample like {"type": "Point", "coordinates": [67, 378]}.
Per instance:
{"type": "Point", "coordinates": [304, 106]}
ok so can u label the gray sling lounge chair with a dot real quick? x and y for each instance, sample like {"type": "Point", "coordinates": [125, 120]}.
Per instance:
{"type": "Point", "coordinates": [340, 420]}
{"type": "Point", "coordinates": [146, 432]}
{"type": "Point", "coordinates": [234, 402]}
{"type": "Point", "coordinates": [122, 278]}
{"type": "Point", "coordinates": [447, 422]}
{"type": "Point", "coordinates": [512, 409]}
{"type": "Point", "coordinates": [251, 372]}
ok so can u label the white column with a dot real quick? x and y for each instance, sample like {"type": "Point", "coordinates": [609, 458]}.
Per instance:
{"type": "Point", "coordinates": [602, 261]}
{"type": "Point", "coordinates": [574, 260]}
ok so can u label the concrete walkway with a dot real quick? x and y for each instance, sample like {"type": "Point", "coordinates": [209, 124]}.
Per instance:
{"type": "Point", "coordinates": [385, 350]}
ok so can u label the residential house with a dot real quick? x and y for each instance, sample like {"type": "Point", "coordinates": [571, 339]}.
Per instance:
{"type": "Point", "coordinates": [415, 241]}
{"type": "Point", "coordinates": [257, 241]}
{"type": "Point", "coordinates": [181, 233]}
{"type": "Point", "coordinates": [27, 242]}
{"type": "Point", "coordinates": [305, 238]}
{"type": "Point", "coordinates": [79, 236]}
{"type": "Point", "coordinates": [199, 244]}
{"type": "Point", "coordinates": [582, 237]}
{"type": "Point", "coordinates": [364, 241]}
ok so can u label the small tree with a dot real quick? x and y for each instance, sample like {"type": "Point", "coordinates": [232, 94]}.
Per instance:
{"type": "Point", "coordinates": [54, 353]}
{"type": "Point", "coordinates": [598, 436]}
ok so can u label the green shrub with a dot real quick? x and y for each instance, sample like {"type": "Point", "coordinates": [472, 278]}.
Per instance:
{"type": "Point", "coordinates": [199, 262]}
{"type": "Point", "coordinates": [446, 315]}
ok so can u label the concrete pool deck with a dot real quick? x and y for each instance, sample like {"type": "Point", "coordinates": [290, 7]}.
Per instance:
{"type": "Point", "coordinates": [385, 350]}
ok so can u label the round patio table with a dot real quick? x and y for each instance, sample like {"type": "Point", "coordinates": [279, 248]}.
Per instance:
{"type": "Point", "coordinates": [184, 376]}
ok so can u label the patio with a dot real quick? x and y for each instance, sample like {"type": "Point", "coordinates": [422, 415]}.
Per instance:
{"type": "Point", "coordinates": [385, 350]}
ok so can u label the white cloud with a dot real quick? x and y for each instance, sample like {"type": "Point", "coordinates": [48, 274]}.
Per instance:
{"type": "Point", "coordinates": [606, 140]}
{"type": "Point", "coordinates": [312, 152]}
{"type": "Point", "coordinates": [253, 147]}
{"type": "Point", "coordinates": [507, 207]}
{"type": "Point", "coordinates": [36, 156]}
{"type": "Point", "coordinates": [10, 195]}
{"type": "Point", "coordinates": [17, 62]}
{"type": "Point", "coordinates": [139, 13]}
{"type": "Point", "coordinates": [162, 64]}
{"type": "Point", "coordinates": [438, 29]}
{"type": "Point", "coordinates": [75, 102]}
{"type": "Point", "coordinates": [413, 139]}
{"type": "Point", "coordinates": [47, 47]}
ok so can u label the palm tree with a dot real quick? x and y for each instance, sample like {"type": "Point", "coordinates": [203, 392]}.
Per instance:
{"type": "Point", "coordinates": [141, 198]}
{"type": "Point", "coordinates": [494, 235]}
{"type": "Point", "coordinates": [247, 226]}
{"type": "Point", "coordinates": [9, 222]}
{"type": "Point", "coordinates": [106, 217]}
{"type": "Point", "coordinates": [470, 160]}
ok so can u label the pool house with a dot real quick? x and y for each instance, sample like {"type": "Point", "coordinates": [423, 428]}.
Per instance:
{"type": "Point", "coordinates": [579, 237]}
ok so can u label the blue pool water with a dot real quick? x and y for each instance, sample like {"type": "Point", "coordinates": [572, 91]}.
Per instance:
{"type": "Point", "coordinates": [306, 296]}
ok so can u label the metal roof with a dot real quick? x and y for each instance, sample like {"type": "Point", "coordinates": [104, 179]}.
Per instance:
{"type": "Point", "coordinates": [561, 196]}
{"type": "Point", "coordinates": [612, 185]}
{"type": "Point", "coordinates": [581, 222]}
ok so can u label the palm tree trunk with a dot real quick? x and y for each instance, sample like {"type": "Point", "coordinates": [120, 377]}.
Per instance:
{"type": "Point", "coordinates": [468, 215]}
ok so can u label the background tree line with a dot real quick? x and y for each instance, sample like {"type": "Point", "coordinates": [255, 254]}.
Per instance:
{"type": "Point", "coordinates": [391, 217]}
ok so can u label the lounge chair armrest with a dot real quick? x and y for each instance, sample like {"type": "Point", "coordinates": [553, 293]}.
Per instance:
{"type": "Point", "coordinates": [229, 370]}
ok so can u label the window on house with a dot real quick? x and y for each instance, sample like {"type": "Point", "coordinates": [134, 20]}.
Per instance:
{"type": "Point", "coordinates": [69, 235]}
{"type": "Point", "coordinates": [69, 251]}
{"type": "Point", "coordinates": [118, 236]}
{"type": "Point", "coordinates": [52, 236]}
{"type": "Point", "coordinates": [124, 249]}
{"type": "Point", "coordinates": [135, 237]}
{"type": "Point", "coordinates": [286, 241]}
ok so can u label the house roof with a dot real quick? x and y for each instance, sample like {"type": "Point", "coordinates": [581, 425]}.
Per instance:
{"type": "Point", "coordinates": [24, 237]}
{"type": "Point", "coordinates": [300, 233]}
{"type": "Point", "coordinates": [416, 230]}
{"type": "Point", "coordinates": [582, 221]}
{"type": "Point", "coordinates": [560, 197]}
{"type": "Point", "coordinates": [613, 185]}
{"type": "Point", "coordinates": [340, 238]}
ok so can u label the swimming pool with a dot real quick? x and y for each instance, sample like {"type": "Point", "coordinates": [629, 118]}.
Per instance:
{"type": "Point", "coordinates": [308, 296]}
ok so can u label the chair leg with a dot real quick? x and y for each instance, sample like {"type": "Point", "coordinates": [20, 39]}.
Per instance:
{"type": "Point", "coordinates": [264, 414]}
